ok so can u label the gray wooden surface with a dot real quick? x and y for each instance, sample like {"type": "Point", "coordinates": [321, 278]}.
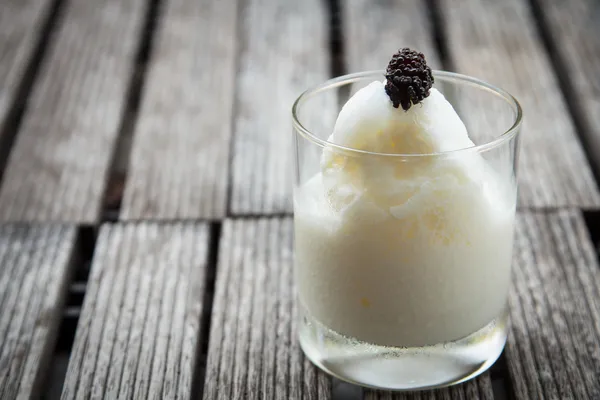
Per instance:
{"type": "Point", "coordinates": [212, 140]}
{"type": "Point", "coordinates": [35, 269]}
{"type": "Point", "coordinates": [554, 351]}
{"type": "Point", "coordinates": [139, 331]}
{"type": "Point", "coordinates": [58, 167]}
{"type": "Point", "coordinates": [574, 30]}
{"type": "Point", "coordinates": [180, 157]}
{"type": "Point", "coordinates": [253, 352]}
{"type": "Point", "coordinates": [283, 49]}
{"type": "Point", "coordinates": [21, 23]}
{"type": "Point", "coordinates": [374, 30]}
{"type": "Point", "coordinates": [480, 388]}
{"type": "Point", "coordinates": [497, 41]}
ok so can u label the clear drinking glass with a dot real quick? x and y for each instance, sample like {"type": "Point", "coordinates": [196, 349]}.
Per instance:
{"type": "Point", "coordinates": [404, 285]}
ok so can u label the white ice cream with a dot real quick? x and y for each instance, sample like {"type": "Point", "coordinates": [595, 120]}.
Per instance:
{"type": "Point", "coordinates": [401, 250]}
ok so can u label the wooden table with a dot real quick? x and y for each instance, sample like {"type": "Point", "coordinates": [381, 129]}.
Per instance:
{"type": "Point", "coordinates": [145, 215]}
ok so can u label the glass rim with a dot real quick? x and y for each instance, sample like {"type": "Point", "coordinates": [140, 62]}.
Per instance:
{"type": "Point", "coordinates": [445, 75]}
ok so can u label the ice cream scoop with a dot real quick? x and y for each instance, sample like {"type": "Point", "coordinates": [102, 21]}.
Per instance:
{"type": "Point", "coordinates": [370, 122]}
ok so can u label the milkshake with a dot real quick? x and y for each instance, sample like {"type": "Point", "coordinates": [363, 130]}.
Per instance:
{"type": "Point", "coordinates": [403, 236]}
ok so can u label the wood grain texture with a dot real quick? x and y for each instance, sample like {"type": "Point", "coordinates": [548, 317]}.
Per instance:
{"type": "Point", "coordinates": [497, 41]}
{"type": "Point", "coordinates": [554, 346]}
{"type": "Point", "coordinates": [574, 27]}
{"type": "Point", "coordinates": [35, 270]}
{"type": "Point", "coordinates": [479, 388]}
{"type": "Point", "coordinates": [283, 50]}
{"type": "Point", "coordinates": [374, 30]}
{"type": "Point", "coordinates": [21, 23]}
{"type": "Point", "coordinates": [139, 329]}
{"type": "Point", "coordinates": [180, 156]}
{"type": "Point", "coordinates": [58, 166]}
{"type": "Point", "coordinates": [253, 351]}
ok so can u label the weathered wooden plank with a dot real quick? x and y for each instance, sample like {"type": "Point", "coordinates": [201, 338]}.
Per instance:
{"type": "Point", "coordinates": [574, 27]}
{"type": "Point", "coordinates": [497, 41]}
{"type": "Point", "coordinates": [140, 324]}
{"type": "Point", "coordinates": [180, 157]}
{"type": "Point", "coordinates": [58, 166]}
{"type": "Point", "coordinates": [253, 351]}
{"type": "Point", "coordinates": [283, 50]}
{"type": "Point", "coordinates": [479, 388]}
{"type": "Point", "coordinates": [21, 23]}
{"type": "Point", "coordinates": [554, 346]}
{"type": "Point", "coordinates": [374, 30]}
{"type": "Point", "coordinates": [35, 270]}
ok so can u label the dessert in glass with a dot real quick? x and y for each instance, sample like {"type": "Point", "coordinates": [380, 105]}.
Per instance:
{"type": "Point", "coordinates": [404, 208]}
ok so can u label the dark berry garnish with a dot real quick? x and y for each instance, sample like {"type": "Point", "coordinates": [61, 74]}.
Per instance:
{"type": "Point", "coordinates": [408, 78]}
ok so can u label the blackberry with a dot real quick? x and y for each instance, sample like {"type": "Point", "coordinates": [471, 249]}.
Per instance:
{"type": "Point", "coordinates": [408, 78]}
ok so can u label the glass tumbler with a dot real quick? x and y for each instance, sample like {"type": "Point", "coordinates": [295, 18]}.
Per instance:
{"type": "Point", "coordinates": [402, 261]}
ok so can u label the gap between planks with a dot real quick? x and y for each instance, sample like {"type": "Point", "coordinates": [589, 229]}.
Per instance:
{"type": "Point", "coordinates": [36, 265]}
{"type": "Point", "coordinates": [253, 352]}
{"type": "Point", "coordinates": [34, 30]}
{"type": "Point", "coordinates": [570, 33]}
{"type": "Point", "coordinates": [140, 327]}
{"type": "Point", "coordinates": [284, 48]}
{"type": "Point", "coordinates": [58, 165]}
{"type": "Point", "coordinates": [498, 42]}
{"type": "Point", "coordinates": [178, 167]}
{"type": "Point", "coordinates": [120, 159]}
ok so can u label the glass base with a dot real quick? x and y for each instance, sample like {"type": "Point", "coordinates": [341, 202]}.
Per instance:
{"type": "Point", "coordinates": [402, 368]}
